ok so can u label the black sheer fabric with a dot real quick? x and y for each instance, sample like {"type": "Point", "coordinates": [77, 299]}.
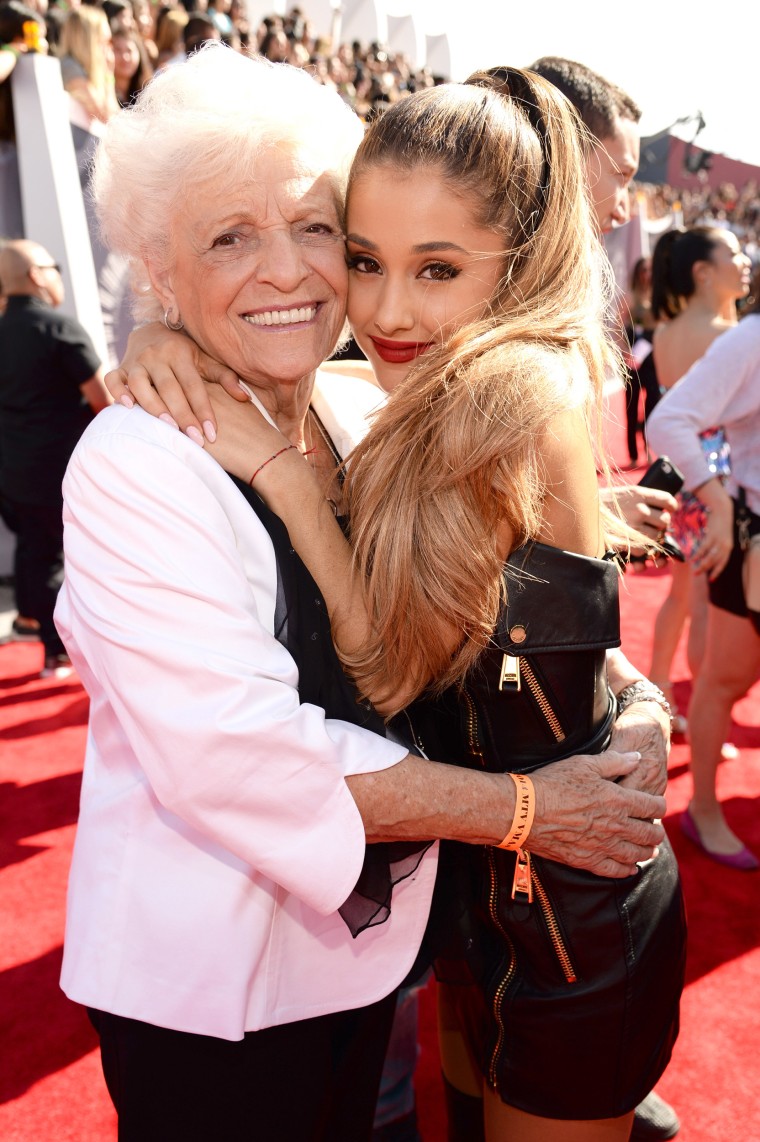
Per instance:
{"type": "Point", "coordinates": [302, 625]}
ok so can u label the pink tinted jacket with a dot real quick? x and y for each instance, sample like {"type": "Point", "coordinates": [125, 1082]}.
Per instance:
{"type": "Point", "coordinates": [217, 836]}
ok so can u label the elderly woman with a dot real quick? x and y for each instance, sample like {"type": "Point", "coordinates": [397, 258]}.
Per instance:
{"type": "Point", "coordinates": [229, 927]}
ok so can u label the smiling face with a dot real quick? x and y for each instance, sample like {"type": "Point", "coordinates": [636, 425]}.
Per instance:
{"type": "Point", "coordinates": [419, 265]}
{"type": "Point", "coordinates": [258, 274]}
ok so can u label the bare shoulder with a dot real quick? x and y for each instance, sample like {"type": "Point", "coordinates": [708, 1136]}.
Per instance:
{"type": "Point", "coordinates": [679, 343]}
{"type": "Point", "coordinates": [571, 504]}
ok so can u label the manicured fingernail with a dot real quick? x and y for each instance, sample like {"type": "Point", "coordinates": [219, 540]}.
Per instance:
{"type": "Point", "coordinates": [195, 435]}
{"type": "Point", "coordinates": [126, 400]}
{"type": "Point", "coordinates": [168, 420]}
{"type": "Point", "coordinates": [210, 431]}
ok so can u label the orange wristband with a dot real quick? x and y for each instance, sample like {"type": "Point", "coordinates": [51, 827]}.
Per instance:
{"type": "Point", "coordinates": [525, 810]}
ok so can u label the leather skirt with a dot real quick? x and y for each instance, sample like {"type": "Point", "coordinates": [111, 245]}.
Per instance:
{"type": "Point", "coordinates": [577, 976]}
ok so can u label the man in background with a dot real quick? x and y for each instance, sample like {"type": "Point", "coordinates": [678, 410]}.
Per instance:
{"type": "Point", "coordinates": [51, 385]}
{"type": "Point", "coordinates": [612, 149]}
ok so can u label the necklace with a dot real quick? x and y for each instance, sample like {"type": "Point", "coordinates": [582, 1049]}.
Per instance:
{"type": "Point", "coordinates": [335, 472]}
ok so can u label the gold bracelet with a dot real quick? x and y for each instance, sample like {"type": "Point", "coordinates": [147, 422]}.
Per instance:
{"type": "Point", "coordinates": [525, 809]}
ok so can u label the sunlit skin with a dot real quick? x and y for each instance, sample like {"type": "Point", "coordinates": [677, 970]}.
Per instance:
{"type": "Point", "coordinates": [259, 277]}
{"type": "Point", "coordinates": [126, 58]}
{"type": "Point", "coordinates": [611, 165]}
{"type": "Point", "coordinates": [419, 266]}
{"type": "Point", "coordinates": [731, 266]}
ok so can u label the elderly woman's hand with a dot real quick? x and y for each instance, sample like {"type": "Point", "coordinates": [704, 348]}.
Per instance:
{"type": "Point", "coordinates": [588, 819]}
{"type": "Point", "coordinates": [164, 372]}
{"type": "Point", "coordinates": [642, 726]}
{"type": "Point", "coordinates": [645, 727]}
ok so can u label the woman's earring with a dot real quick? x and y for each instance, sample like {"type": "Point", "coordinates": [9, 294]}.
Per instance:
{"type": "Point", "coordinates": [175, 326]}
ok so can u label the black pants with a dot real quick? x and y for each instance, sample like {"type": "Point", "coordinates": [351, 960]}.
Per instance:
{"type": "Point", "coordinates": [312, 1081]}
{"type": "Point", "coordinates": [643, 379]}
{"type": "Point", "coordinates": [38, 566]}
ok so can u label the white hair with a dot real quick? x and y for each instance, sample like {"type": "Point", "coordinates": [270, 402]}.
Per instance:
{"type": "Point", "coordinates": [208, 118]}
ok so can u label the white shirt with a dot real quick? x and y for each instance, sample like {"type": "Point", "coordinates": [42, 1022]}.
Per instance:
{"type": "Point", "coordinates": [721, 388]}
{"type": "Point", "coordinates": [217, 835]}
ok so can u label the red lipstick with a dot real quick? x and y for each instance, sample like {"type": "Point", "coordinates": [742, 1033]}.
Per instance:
{"type": "Point", "coordinates": [399, 352]}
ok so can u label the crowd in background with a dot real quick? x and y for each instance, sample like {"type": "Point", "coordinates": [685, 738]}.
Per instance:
{"type": "Point", "coordinates": [725, 206]}
{"type": "Point", "coordinates": [109, 50]}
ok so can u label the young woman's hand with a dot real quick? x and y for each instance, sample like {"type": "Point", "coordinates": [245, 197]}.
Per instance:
{"type": "Point", "coordinates": [646, 509]}
{"type": "Point", "coordinates": [718, 541]}
{"type": "Point", "coordinates": [246, 440]}
{"type": "Point", "coordinates": [717, 544]}
{"type": "Point", "coordinates": [164, 372]}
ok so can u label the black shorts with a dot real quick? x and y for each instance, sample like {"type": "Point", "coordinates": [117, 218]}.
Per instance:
{"type": "Point", "coordinates": [726, 591]}
{"type": "Point", "coordinates": [574, 1018]}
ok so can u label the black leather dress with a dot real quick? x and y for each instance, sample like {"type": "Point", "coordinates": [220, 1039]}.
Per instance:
{"type": "Point", "coordinates": [580, 974]}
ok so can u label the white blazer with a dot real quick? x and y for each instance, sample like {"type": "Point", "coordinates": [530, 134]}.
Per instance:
{"type": "Point", "coordinates": [217, 836]}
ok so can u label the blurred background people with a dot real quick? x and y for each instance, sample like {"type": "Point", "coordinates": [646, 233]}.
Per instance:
{"type": "Point", "coordinates": [698, 275]}
{"type": "Point", "coordinates": [87, 64]}
{"type": "Point", "coordinates": [51, 384]}
{"type": "Point", "coordinates": [722, 387]}
{"type": "Point", "coordinates": [639, 324]}
{"type": "Point", "coordinates": [170, 26]}
{"type": "Point", "coordinates": [132, 66]}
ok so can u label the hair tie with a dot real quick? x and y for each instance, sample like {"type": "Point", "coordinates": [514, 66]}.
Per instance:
{"type": "Point", "coordinates": [511, 83]}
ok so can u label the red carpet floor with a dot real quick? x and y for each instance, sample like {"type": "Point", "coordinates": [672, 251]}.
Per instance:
{"type": "Point", "coordinates": [51, 1089]}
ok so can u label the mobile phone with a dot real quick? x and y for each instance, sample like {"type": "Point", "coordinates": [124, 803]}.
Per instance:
{"type": "Point", "coordinates": [662, 475]}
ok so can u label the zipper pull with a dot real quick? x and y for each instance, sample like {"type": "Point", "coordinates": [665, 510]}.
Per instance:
{"type": "Point", "coordinates": [522, 880]}
{"type": "Point", "coordinates": [742, 526]}
{"type": "Point", "coordinates": [510, 672]}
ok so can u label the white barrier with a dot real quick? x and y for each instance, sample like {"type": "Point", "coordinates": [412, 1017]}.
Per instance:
{"type": "Point", "coordinates": [51, 192]}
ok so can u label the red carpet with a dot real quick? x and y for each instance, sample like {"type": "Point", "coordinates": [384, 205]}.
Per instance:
{"type": "Point", "coordinates": [51, 1089]}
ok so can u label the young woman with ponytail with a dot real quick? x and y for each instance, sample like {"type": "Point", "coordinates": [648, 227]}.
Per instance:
{"type": "Point", "coordinates": [476, 606]}
{"type": "Point", "coordinates": [698, 275]}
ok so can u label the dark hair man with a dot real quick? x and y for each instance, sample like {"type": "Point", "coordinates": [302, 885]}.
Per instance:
{"type": "Point", "coordinates": [611, 118]}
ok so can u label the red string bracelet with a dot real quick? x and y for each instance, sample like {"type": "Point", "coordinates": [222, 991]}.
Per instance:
{"type": "Point", "coordinates": [269, 461]}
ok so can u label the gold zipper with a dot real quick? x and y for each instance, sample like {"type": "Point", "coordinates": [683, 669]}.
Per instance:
{"type": "Point", "coordinates": [472, 728]}
{"type": "Point", "coordinates": [542, 701]}
{"type": "Point", "coordinates": [525, 879]}
{"type": "Point", "coordinates": [509, 675]}
{"type": "Point", "coordinates": [522, 881]}
{"type": "Point", "coordinates": [554, 933]}
{"type": "Point", "coordinates": [526, 882]}
{"type": "Point", "coordinates": [507, 979]}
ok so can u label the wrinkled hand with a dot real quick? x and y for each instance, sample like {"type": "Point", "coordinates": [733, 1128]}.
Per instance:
{"type": "Point", "coordinates": [644, 726]}
{"type": "Point", "coordinates": [164, 372]}
{"type": "Point", "coordinates": [586, 819]}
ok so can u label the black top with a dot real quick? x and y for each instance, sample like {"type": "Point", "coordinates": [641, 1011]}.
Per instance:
{"type": "Point", "coordinates": [44, 358]}
{"type": "Point", "coordinates": [302, 625]}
